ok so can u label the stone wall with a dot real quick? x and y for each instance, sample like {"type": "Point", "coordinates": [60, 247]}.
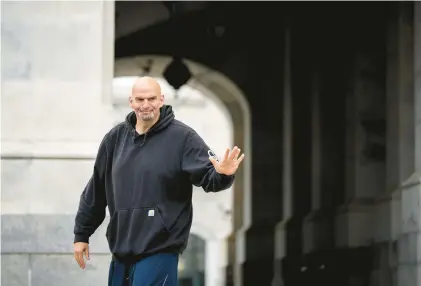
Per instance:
{"type": "Point", "coordinates": [57, 104]}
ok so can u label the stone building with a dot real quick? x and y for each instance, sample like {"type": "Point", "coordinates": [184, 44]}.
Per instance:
{"type": "Point", "coordinates": [325, 98]}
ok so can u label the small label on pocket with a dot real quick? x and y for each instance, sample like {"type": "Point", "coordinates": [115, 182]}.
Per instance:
{"type": "Point", "coordinates": [151, 213]}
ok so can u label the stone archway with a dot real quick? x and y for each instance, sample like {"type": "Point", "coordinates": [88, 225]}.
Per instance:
{"type": "Point", "coordinates": [231, 99]}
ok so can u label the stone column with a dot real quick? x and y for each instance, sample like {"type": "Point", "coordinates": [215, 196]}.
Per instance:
{"type": "Point", "coordinates": [214, 267]}
{"type": "Point", "coordinates": [409, 238]}
{"type": "Point", "coordinates": [328, 87]}
{"type": "Point", "coordinates": [327, 174]}
{"type": "Point", "coordinates": [281, 231]}
{"type": "Point", "coordinates": [365, 156]}
{"type": "Point", "coordinates": [317, 227]}
{"type": "Point", "coordinates": [262, 206]}
{"type": "Point", "coordinates": [239, 194]}
{"type": "Point", "coordinates": [296, 154]}
{"type": "Point", "coordinates": [417, 84]}
{"type": "Point", "coordinates": [365, 166]}
{"type": "Point", "coordinates": [56, 70]}
{"type": "Point", "coordinates": [399, 146]}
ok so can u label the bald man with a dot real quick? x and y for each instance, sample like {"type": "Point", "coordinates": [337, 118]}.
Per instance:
{"type": "Point", "coordinates": [144, 172]}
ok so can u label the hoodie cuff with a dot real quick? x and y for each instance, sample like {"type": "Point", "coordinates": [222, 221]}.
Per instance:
{"type": "Point", "coordinates": [81, 238]}
{"type": "Point", "coordinates": [226, 181]}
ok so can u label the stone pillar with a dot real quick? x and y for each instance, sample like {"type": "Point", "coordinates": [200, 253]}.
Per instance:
{"type": "Point", "coordinates": [365, 166]}
{"type": "Point", "coordinates": [399, 146]}
{"type": "Point", "coordinates": [281, 232]}
{"type": "Point", "coordinates": [56, 70]}
{"type": "Point", "coordinates": [239, 193]}
{"type": "Point", "coordinates": [214, 268]}
{"type": "Point", "coordinates": [365, 157]}
{"type": "Point", "coordinates": [409, 75]}
{"type": "Point", "coordinates": [296, 153]}
{"type": "Point", "coordinates": [327, 174]}
{"type": "Point", "coordinates": [318, 232]}
{"type": "Point", "coordinates": [317, 227]}
{"type": "Point", "coordinates": [262, 207]}
{"type": "Point", "coordinates": [417, 84]}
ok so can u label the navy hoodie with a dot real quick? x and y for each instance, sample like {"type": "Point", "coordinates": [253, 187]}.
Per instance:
{"type": "Point", "coordinates": [146, 182]}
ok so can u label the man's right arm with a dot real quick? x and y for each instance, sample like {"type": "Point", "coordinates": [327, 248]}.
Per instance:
{"type": "Point", "coordinates": [93, 201]}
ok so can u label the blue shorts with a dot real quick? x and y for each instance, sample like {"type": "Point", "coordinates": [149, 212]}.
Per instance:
{"type": "Point", "coordinates": [156, 270]}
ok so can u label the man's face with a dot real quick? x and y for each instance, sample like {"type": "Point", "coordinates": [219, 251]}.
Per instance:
{"type": "Point", "coordinates": [146, 102]}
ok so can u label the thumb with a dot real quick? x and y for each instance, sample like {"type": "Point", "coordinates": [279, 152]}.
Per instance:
{"type": "Point", "coordinates": [213, 161]}
{"type": "Point", "coordinates": [87, 253]}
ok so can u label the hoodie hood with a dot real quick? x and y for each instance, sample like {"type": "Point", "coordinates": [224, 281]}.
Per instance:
{"type": "Point", "coordinates": [166, 118]}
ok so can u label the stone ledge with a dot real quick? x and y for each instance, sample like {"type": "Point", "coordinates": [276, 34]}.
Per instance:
{"type": "Point", "coordinates": [410, 213]}
{"type": "Point", "coordinates": [45, 234]}
{"type": "Point", "coordinates": [409, 248]}
{"type": "Point", "coordinates": [413, 181]}
{"type": "Point", "coordinates": [356, 205]}
{"type": "Point", "coordinates": [13, 150]}
{"type": "Point", "coordinates": [52, 269]}
{"type": "Point", "coordinates": [318, 215]}
{"type": "Point", "coordinates": [383, 198]}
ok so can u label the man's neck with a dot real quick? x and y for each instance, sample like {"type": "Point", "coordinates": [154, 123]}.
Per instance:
{"type": "Point", "coordinates": [143, 126]}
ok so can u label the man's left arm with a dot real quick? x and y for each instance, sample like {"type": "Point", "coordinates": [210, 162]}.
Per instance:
{"type": "Point", "coordinates": [205, 171]}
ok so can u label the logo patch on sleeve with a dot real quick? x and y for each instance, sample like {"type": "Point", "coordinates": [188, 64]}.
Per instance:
{"type": "Point", "coordinates": [213, 155]}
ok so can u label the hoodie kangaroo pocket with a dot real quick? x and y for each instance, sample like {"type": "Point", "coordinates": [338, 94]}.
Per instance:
{"type": "Point", "coordinates": [136, 231]}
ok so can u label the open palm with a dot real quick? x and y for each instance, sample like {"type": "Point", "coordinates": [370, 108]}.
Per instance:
{"type": "Point", "coordinates": [229, 163]}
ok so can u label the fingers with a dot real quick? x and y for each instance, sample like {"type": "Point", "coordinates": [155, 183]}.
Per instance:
{"type": "Point", "coordinates": [227, 151]}
{"type": "Point", "coordinates": [87, 253]}
{"type": "Point", "coordinates": [79, 259]}
{"type": "Point", "coordinates": [240, 159]}
{"type": "Point", "coordinates": [74, 255]}
{"type": "Point", "coordinates": [234, 154]}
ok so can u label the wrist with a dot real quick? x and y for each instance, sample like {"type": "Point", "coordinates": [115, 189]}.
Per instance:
{"type": "Point", "coordinates": [81, 238]}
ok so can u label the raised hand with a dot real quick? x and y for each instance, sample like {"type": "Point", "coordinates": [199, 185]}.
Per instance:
{"type": "Point", "coordinates": [229, 163]}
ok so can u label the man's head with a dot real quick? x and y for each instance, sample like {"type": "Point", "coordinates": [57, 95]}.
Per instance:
{"type": "Point", "coordinates": [146, 99]}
